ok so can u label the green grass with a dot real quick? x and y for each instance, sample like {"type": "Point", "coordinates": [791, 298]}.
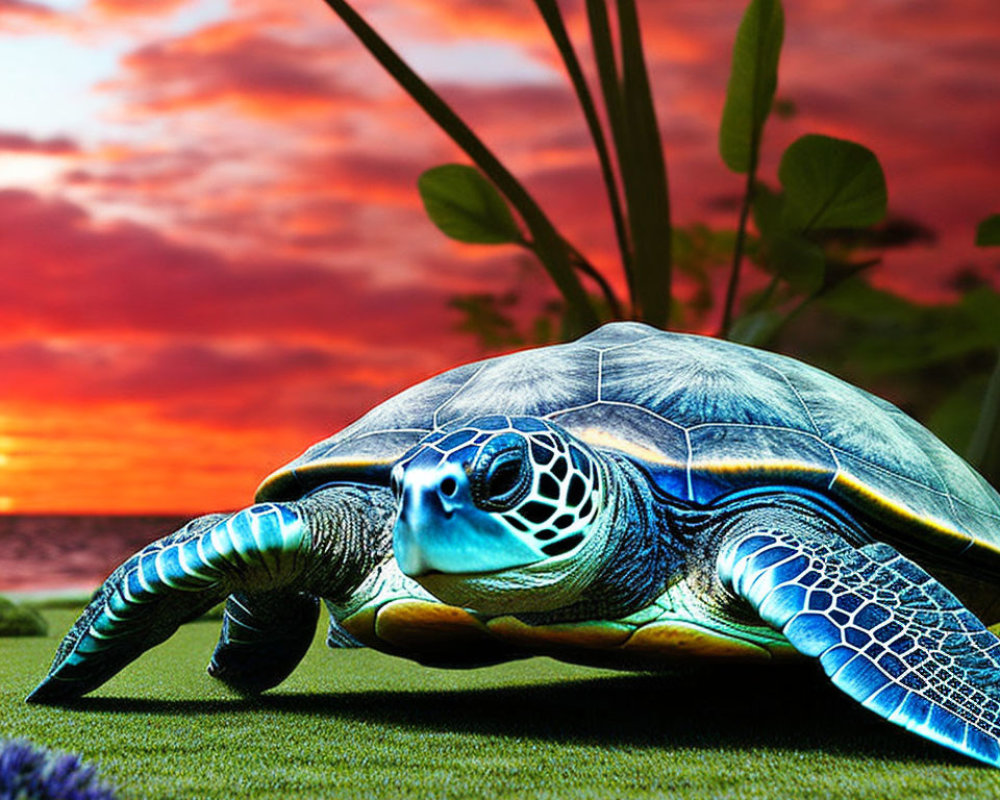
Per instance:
{"type": "Point", "coordinates": [355, 723]}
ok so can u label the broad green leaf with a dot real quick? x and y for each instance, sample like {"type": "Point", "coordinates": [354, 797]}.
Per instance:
{"type": "Point", "coordinates": [954, 418]}
{"type": "Point", "coordinates": [988, 232]}
{"type": "Point", "coordinates": [766, 208]}
{"type": "Point", "coordinates": [466, 206]}
{"type": "Point", "coordinates": [984, 449]}
{"type": "Point", "coordinates": [756, 328]}
{"type": "Point", "coordinates": [798, 261]}
{"type": "Point", "coordinates": [831, 183]}
{"type": "Point", "coordinates": [752, 82]}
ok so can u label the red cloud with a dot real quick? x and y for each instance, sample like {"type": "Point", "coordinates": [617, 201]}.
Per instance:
{"type": "Point", "coordinates": [66, 273]}
{"type": "Point", "coordinates": [23, 16]}
{"type": "Point", "coordinates": [234, 62]}
{"type": "Point", "coordinates": [116, 321]}
{"type": "Point", "coordinates": [24, 143]}
{"type": "Point", "coordinates": [23, 8]}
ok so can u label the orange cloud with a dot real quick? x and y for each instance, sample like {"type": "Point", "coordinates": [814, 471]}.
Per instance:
{"type": "Point", "coordinates": [130, 8]}
{"type": "Point", "coordinates": [125, 457]}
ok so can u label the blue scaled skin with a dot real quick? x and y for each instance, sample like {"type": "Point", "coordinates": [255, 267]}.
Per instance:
{"type": "Point", "coordinates": [885, 632]}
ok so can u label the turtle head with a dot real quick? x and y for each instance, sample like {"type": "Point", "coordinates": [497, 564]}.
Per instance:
{"type": "Point", "coordinates": [497, 512]}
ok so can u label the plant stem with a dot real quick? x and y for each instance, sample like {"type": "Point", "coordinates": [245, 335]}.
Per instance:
{"type": "Point", "coordinates": [741, 232]}
{"type": "Point", "coordinates": [549, 244]}
{"type": "Point", "coordinates": [854, 271]}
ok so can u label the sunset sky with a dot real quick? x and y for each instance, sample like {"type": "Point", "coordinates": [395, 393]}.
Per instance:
{"type": "Point", "coordinates": [212, 251]}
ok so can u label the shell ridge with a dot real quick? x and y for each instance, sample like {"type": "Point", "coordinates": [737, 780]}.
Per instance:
{"type": "Point", "coordinates": [600, 374]}
{"type": "Point", "coordinates": [837, 468]}
{"type": "Point", "coordinates": [798, 396]}
{"type": "Point", "coordinates": [930, 460]}
{"type": "Point", "coordinates": [687, 466]}
{"type": "Point", "coordinates": [887, 471]}
{"type": "Point", "coordinates": [571, 409]}
{"type": "Point", "coordinates": [457, 392]}
{"type": "Point", "coordinates": [832, 448]}
{"type": "Point", "coordinates": [623, 345]}
{"type": "Point", "coordinates": [990, 514]}
{"type": "Point", "coordinates": [644, 410]}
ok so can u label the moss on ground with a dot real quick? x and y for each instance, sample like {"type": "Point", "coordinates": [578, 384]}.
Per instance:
{"type": "Point", "coordinates": [355, 723]}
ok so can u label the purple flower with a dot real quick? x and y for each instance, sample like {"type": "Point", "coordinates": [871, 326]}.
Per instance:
{"type": "Point", "coordinates": [28, 772]}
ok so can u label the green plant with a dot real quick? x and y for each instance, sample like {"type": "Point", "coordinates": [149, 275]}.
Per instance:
{"type": "Point", "coordinates": [20, 620]}
{"type": "Point", "coordinates": [826, 183]}
{"type": "Point", "coordinates": [814, 235]}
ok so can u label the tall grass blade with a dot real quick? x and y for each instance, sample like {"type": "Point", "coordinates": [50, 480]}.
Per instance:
{"type": "Point", "coordinates": [646, 192]}
{"type": "Point", "coordinates": [549, 245]}
{"type": "Point", "coordinates": [602, 44]}
{"type": "Point", "coordinates": [549, 9]}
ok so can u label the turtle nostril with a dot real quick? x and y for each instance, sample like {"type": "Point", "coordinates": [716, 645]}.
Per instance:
{"type": "Point", "coordinates": [449, 486]}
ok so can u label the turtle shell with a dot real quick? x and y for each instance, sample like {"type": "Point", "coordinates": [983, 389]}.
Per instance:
{"type": "Point", "coordinates": [704, 418]}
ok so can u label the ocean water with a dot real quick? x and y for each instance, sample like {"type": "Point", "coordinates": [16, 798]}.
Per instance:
{"type": "Point", "coordinates": [56, 554]}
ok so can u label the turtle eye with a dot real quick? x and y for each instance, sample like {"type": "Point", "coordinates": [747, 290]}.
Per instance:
{"type": "Point", "coordinates": [504, 476]}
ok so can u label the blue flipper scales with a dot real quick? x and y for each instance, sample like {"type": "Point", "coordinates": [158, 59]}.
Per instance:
{"type": "Point", "coordinates": [886, 632]}
{"type": "Point", "coordinates": [173, 581]}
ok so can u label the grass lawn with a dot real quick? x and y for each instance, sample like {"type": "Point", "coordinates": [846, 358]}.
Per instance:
{"type": "Point", "coordinates": [355, 723]}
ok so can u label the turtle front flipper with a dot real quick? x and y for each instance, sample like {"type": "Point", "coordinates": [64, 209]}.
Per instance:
{"type": "Point", "coordinates": [886, 632]}
{"type": "Point", "coordinates": [265, 555]}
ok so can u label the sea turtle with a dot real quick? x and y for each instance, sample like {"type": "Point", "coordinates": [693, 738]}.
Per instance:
{"type": "Point", "coordinates": [631, 499]}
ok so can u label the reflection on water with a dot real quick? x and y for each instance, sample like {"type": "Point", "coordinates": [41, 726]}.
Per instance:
{"type": "Point", "coordinates": [53, 553]}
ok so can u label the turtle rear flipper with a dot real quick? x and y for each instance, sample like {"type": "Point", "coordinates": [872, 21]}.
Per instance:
{"type": "Point", "coordinates": [264, 637]}
{"type": "Point", "coordinates": [885, 631]}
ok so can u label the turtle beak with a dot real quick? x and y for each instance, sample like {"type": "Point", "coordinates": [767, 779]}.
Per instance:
{"type": "Point", "coordinates": [439, 528]}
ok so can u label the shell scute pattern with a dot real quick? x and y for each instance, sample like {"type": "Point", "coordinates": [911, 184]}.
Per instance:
{"type": "Point", "coordinates": [858, 423]}
{"type": "Point", "coordinates": [532, 383]}
{"type": "Point", "coordinates": [694, 382]}
{"type": "Point", "coordinates": [704, 417]}
{"type": "Point", "coordinates": [390, 428]}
